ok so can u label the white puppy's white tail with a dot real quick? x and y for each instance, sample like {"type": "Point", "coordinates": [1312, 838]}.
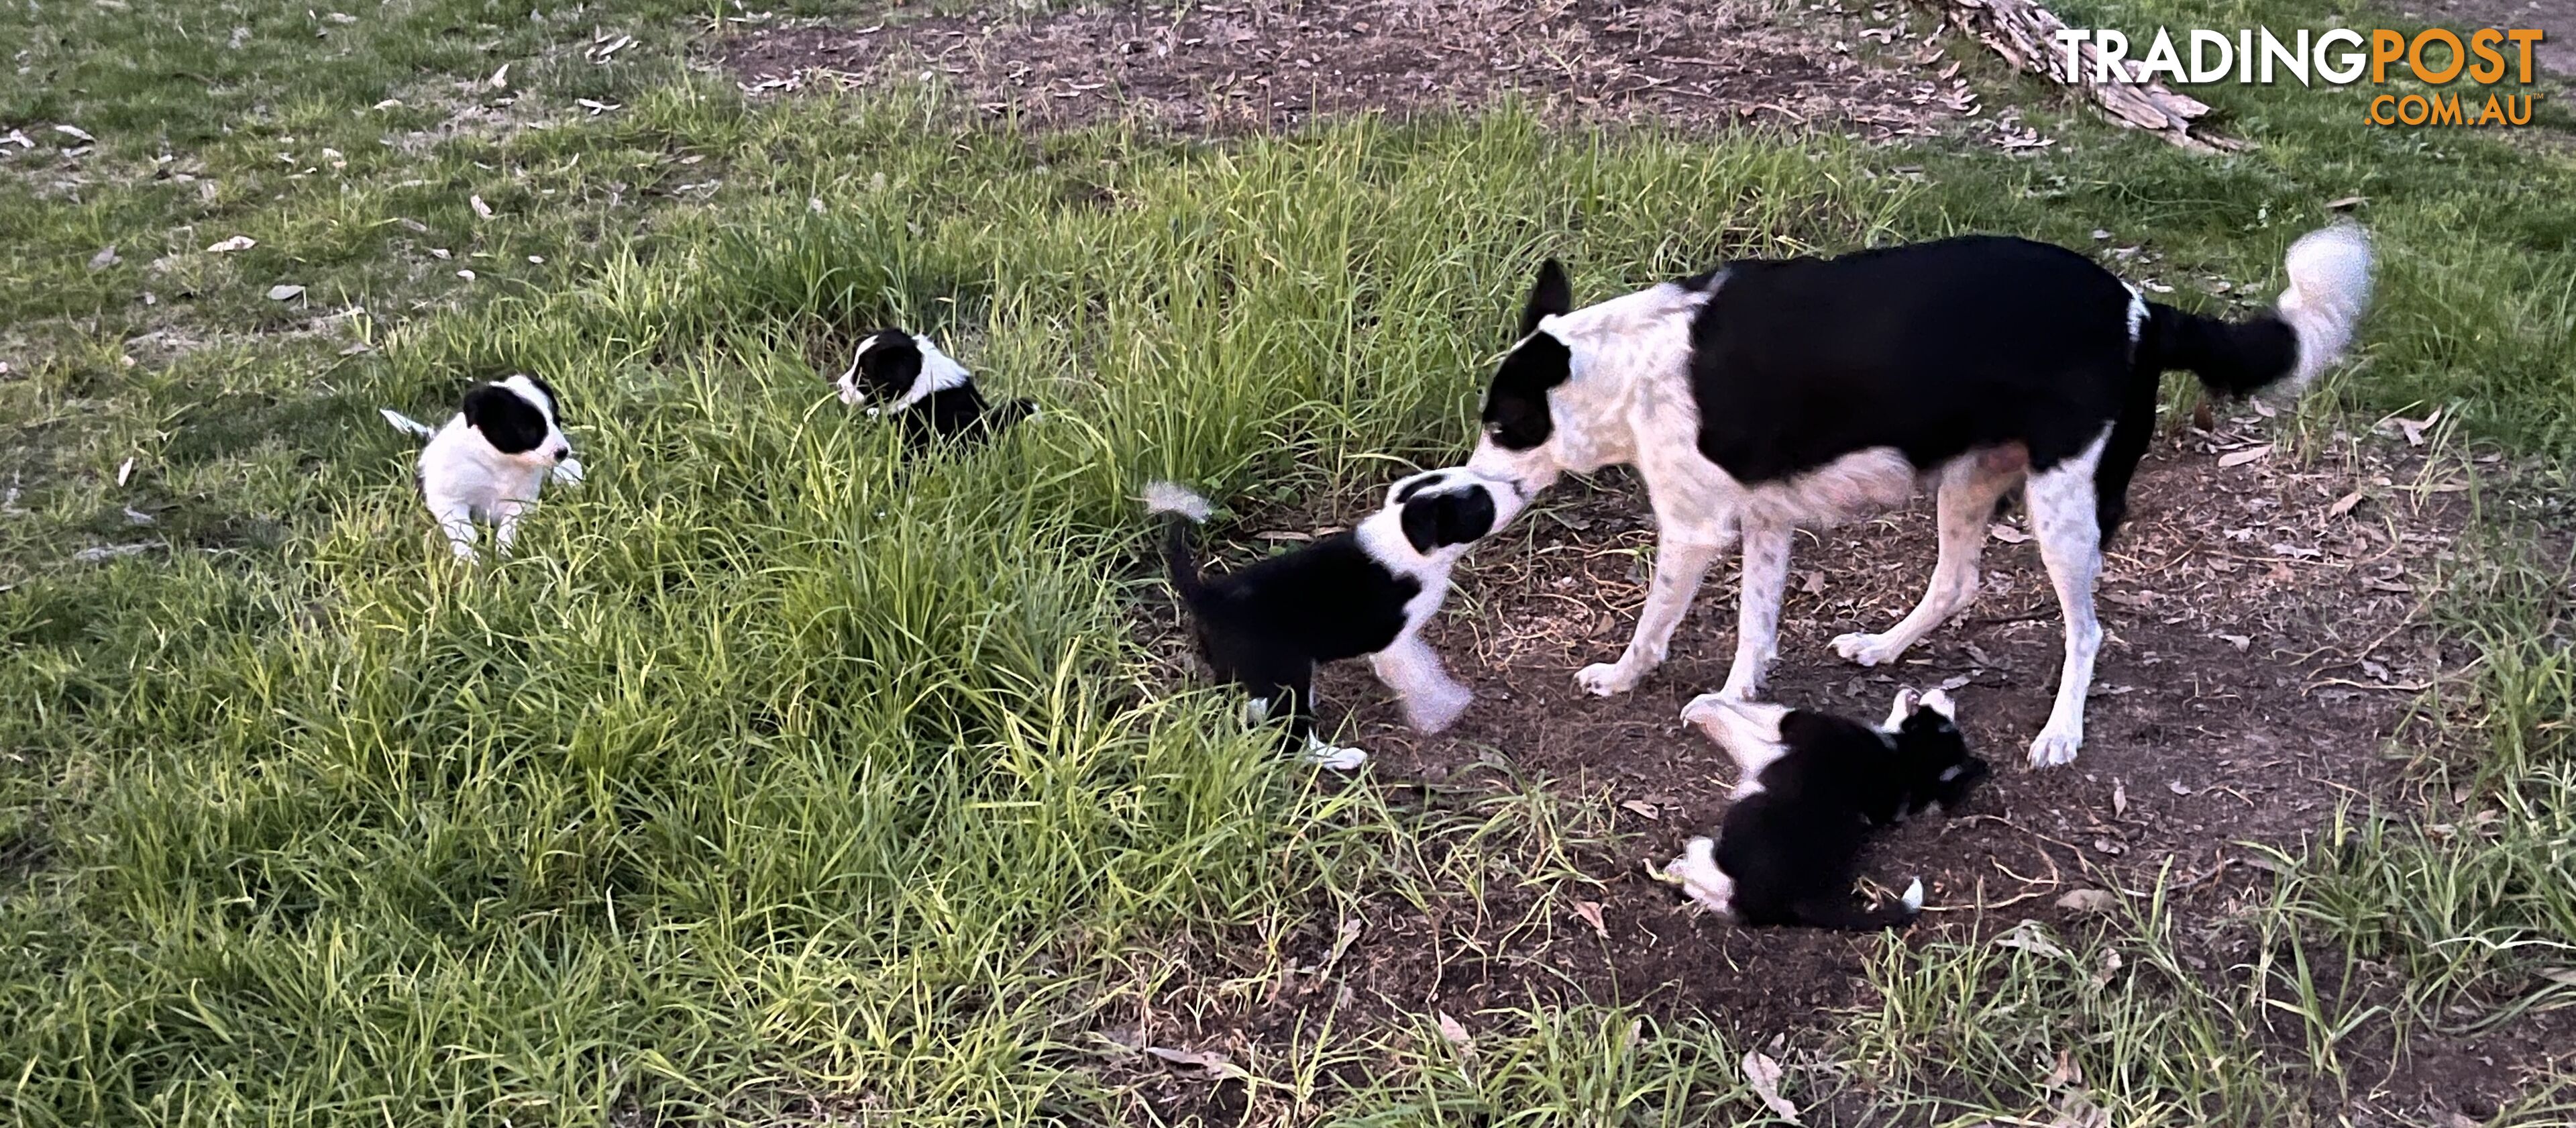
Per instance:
{"type": "Point", "coordinates": [2329, 271]}
{"type": "Point", "coordinates": [1171, 497]}
{"type": "Point", "coordinates": [406, 424]}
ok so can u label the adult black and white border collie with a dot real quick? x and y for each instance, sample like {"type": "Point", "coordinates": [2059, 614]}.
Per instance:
{"type": "Point", "coordinates": [1810, 787]}
{"type": "Point", "coordinates": [1367, 591]}
{"type": "Point", "coordinates": [488, 462]}
{"type": "Point", "coordinates": [1771, 394]}
{"type": "Point", "coordinates": [904, 375]}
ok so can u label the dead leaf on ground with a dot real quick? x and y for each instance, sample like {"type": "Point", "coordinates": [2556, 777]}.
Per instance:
{"type": "Point", "coordinates": [1590, 911]}
{"type": "Point", "coordinates": [501, 77]}
{"type": "Point", "coordinates": [1763, 1074]}
{"type": "Point", "coordinates": [481, 210]}
{"type": "Point", "coordinates": [236, 243]}
{"type": "Point", "coordinates": [1643, 808]}
{"type": "Point", "coordinates": [2030, 937]}
{"type": "Point", "coordinates": [2344, 504]}
{"type": "Point", "coordinates": [2083, 901]}
{"type": "Point", "coordinates": [2119, 798]}
{"type": "Point", "coordinates": [2006, 533]}
{"type": "Point", "coordinates": [285, 292]}
{"type": "Point", "coordinates": [104, 259]}
{"type": "Point", "coordinates": [2348, 201]}
{"type": "Point", "coordinates": [2240, 458]}
{"type": "Point", "coordinates": [125, 471]}
{"type": "Point", "coordinates": [76, 133]}
{"type": "Point", "coordinates": [1209, 1060]}
{"type": "Point", "coordinates": [1456, 1033]}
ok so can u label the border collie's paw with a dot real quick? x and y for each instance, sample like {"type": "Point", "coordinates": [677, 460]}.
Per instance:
{"type": "Point", "coordinates": [2056, 746]}
{"type": "Point", "coordinates": [1324, 755]}
{"type": "Point", "coordinates": [1608, 679]}
{"type": "Point", "coordinates": [1438, 709]}
{"type": "Point", "coordinates": [1868, 649]}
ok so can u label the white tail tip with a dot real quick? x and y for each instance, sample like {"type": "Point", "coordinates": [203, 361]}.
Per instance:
{"type": "Point", "coordinates": [1168, 497]}
{"type": "Point", "coordinates": [1913, 897]}
{"type": "Point", "coordinates": [405, 424]}
{"type": "Point", "coordinates": [2330, 282]}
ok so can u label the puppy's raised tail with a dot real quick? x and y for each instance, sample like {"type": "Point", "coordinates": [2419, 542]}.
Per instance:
{"type": "Point", "coordinates": [2293, 342]}
{"type": "Point", "coordinates": [1180, 508]}
{"type": "Point", "coordinates": [406, 424]}
{"type": "Point", "coordinates": [1837, 911]}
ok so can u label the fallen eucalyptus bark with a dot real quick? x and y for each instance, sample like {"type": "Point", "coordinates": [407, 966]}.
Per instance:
{"type": "Point", "coordinates": [2024, 33]}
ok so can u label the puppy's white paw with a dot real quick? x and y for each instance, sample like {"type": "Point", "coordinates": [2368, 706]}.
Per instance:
{"type": "Point", "coordinates": [1438, 709]}
{"type": "Point", "coordinates": [567, 472]}
{"type": "Point", "coordinates": [1868, 649]}
{"type": "Point", "coordinates": [1697, 873]}
{"type": "Point", "coordinates": [2056, 746]}
{"type": "Point", "coordinates": [1608, 679]}
{"type": "Point", "coordinates": [1324, 755]}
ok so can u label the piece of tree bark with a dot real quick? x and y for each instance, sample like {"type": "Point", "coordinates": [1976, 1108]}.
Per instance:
{"type": "Point", "coordinates": [2024, 33]}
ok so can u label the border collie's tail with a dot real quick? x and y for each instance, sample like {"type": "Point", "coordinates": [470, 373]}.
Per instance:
{"type": "Point", "coordinates": [406, 424]}
{"type": "Point", "coordinates": [1838, 912]}
{"type": "Point", "coordinates": [2296, 339]}
{"type": "Point", "coordinates": [1180, 508]}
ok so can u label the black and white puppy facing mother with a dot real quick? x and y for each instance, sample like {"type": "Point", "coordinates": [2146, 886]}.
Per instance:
{"type": "Point", "coordinates": [902, 374]}
{"type": "Point", "coordinates": [1810, 787]}
{"type": "Point", "coordinates": [488, 462]}
{"type": "Point", "coordinates": [1768, 395]}
{"type": "Point", "coordinates": [1365, 591]}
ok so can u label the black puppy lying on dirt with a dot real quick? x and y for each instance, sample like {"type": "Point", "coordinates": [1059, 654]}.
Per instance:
{"type": "Point", "coordinates": [1810, 788]}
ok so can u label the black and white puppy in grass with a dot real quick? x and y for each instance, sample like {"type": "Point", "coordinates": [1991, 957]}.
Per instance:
{"type": "Point", "coordinates": [1367, 591]}
{"type": "Point", "coordinates": [904, 375]}
{"type": "Point", "coordinates": [488, 462]}
{"type": "Point", "coordinates": [1810, 787]}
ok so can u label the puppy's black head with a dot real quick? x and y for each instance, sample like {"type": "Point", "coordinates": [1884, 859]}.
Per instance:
{"type": "Point", "coordinates": [1937, 764]}
{"type": "Point", "coordinates": [1440, 508]}
{"type": "Point", "coordinates": [883, 370]}
{"type": "Point", "coordinates": [516, 416]}
{"type": "Point", "coordinates": [1435, 520]}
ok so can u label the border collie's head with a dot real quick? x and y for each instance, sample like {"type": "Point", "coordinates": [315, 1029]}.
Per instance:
{"type": "Point", "coordinates": [517, 417]}
{"type": "Point", "coordinates": [892, 369]}
{"type": "Point", "coordinates": [1930, 751]}
{"type": "Point", "coordinates": [1560, 402]}
{"type": "Point", "coordinates": [1519, 422]}
{"type": "Point", "coordinates": [1452, 507]}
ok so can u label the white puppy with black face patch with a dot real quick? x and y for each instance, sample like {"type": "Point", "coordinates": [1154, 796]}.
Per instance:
{"type": "Point", "coordinates": [488, 462]}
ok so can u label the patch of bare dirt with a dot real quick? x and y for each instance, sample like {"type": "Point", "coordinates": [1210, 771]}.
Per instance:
{"type": "Point", "coordinates": [1257, 66]}
{"type": "Point", "coordinates": [2264, 641]}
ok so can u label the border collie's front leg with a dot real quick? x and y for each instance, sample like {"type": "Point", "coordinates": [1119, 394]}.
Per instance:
{"type": "Point", "coordinates": [1432, 700]}
{"type": "Point", "coordinates": [1680, 565]}
{"type": "Point", "coordinates": [1295, 693]}
{"type": "Point", "coordinates": [2062, 513]}
{"type": "Point", "coordinates": [1764, 581]}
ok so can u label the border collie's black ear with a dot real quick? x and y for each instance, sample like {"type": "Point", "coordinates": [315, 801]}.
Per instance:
{"type": "Point", "coordinates": [511, 424]}
{"type": "Point", "coordinates": [1434, 520]}
{"type": "Point", "coordinates": [1551, 296]}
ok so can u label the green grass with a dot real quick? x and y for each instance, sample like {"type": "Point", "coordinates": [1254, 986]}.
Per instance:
{"type": "Point", "coordinates": [769, 775]}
